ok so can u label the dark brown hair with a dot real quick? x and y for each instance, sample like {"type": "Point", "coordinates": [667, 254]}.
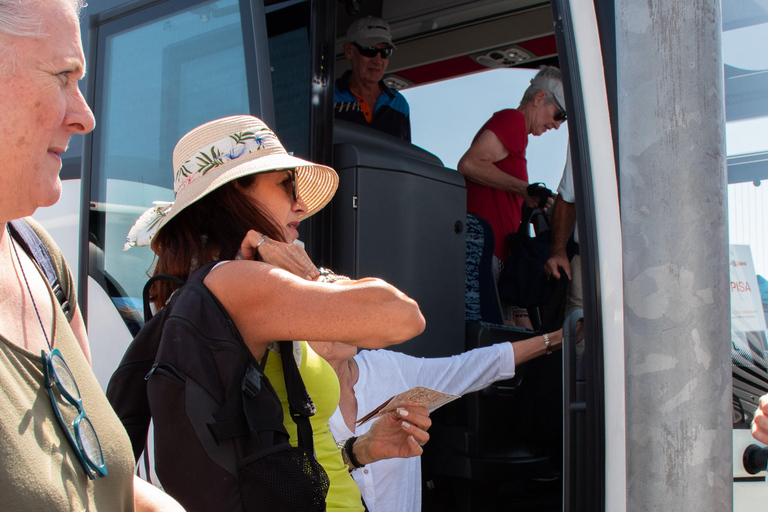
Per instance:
{"type": "Point", "coordinates": [210, 229]}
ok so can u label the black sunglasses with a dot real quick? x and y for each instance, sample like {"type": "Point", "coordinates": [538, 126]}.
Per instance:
{"type": "Point", "coordinates": [294, 192]}
{"type": "Point", "coordinates": [371, 51]}
{"type": "Point", "coordinates": [561, 114]}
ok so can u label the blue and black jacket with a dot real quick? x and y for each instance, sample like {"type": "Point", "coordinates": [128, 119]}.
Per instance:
{"type": "Point", "coordinates": [391, 115]}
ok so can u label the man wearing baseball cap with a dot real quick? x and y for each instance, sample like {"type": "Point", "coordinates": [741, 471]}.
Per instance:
{"type": "Point", "coordinates": [360, 95]}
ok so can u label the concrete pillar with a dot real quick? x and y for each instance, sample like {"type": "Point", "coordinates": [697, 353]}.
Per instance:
{"type": "Point", "coordinates": [674, 222]}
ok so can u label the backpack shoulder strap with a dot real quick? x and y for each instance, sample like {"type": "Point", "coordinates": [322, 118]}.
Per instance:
{"type": "Point", "coordinates": [147, 287]}
{"type": "Point", "coordinates": [300, 404]}
{"type": "Point", "coordinates": [31, 243]}
{"type": "Point", "coordinates": [197, 275]}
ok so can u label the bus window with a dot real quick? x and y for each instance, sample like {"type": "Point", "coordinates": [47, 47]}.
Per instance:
{"type": "Point", "coordinates": [160, 72]}
{"type": "Point", "coordinates": [288, 31]}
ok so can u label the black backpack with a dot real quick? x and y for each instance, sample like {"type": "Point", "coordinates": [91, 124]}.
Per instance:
{"type": "Point", "coordinates": [219, 440]}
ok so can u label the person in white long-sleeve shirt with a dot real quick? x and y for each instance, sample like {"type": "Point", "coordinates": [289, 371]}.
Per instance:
{"type": "Point", "coordinates": [369, 378]}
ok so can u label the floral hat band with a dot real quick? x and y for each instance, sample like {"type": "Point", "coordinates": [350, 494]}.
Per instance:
{"type": "Point", "coordinates": [223, 150]}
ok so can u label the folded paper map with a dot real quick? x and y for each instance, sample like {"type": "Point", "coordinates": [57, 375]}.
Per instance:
{"type": "Point", "coordinates": [419, 395]}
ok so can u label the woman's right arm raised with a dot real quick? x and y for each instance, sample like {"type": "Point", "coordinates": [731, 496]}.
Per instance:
{"type": "Point", "coordinates": [271, 304]}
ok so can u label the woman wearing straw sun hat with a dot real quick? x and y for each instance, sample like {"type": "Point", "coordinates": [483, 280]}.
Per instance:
{"type": "Point", "coordinates": [238, 191]}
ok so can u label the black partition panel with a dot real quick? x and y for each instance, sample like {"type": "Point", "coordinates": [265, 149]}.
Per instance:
{"type": "Point", "coordinates": [399, 215]}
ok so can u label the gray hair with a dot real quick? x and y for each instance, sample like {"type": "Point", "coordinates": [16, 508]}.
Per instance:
{"type": "Point", "coordinates": [17, 21]}
{"type": "Point", "coordinates": [550, 72]}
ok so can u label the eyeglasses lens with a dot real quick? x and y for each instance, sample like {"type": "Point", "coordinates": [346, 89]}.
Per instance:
{"type": "Point", "coordinates": [90, 441]}
{"type": "Point", "coordinates": [65, 379]}
{"type": "Point", "coordinates": [371, 51]}
{"type": "Point", "coordinates": [561, 116]}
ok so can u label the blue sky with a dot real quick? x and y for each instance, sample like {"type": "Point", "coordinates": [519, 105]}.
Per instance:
{"type": "Point", "coordinates": [445, 116]}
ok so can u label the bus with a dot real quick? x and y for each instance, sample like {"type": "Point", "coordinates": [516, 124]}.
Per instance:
{"type": "Point", "coordinates": [668, 127]}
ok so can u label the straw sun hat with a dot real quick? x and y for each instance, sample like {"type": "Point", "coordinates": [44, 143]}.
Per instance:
{"type": "Point", "coordinates": [223, 150]}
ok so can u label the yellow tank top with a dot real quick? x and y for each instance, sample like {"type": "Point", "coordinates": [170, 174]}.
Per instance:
{"type": "Point", "coordinates": [323, 386]}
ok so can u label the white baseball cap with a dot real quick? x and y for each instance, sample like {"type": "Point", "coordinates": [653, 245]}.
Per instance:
{"type": "Point", "coordinates": [369, 31]}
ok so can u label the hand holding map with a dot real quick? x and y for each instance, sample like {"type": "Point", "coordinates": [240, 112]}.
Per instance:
{"type": "Point", "coordinates": [419, 395]}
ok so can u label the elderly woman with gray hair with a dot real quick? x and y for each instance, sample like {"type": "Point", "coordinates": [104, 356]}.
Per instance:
{"type": "Point", "coordinates": [495, 167]}
{"type": "Point", "coordinates": [63, 447]}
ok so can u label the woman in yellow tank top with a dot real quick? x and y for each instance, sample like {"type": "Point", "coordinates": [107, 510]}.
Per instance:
{"type": "Point", "coordinates": [238, 195]}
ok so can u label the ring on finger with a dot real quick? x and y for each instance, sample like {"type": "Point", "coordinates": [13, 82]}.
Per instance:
{"type": "Point", "coordinates": [262, 240]}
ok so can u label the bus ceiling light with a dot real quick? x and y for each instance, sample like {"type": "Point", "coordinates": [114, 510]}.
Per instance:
{"type": "Point", "coordinates": [502, 58]}
{"type": "Point", "coordinates": [397, 83]}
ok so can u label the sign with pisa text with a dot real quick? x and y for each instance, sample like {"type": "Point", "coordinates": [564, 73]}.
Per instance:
{"type": "Point", "coordinates": [746, 306]}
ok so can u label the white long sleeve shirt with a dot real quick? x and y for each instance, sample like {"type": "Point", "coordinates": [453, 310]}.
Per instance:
{"type": "Point", "coordinates": [394, 485]}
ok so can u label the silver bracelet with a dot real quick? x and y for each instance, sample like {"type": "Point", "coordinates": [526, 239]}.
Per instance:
{"type": "Point", "coordinates": [547, 343]}
{"type": "Point", "coordinates": [347, 457]}
{"type": "Point", "coordinates": [329, 276]}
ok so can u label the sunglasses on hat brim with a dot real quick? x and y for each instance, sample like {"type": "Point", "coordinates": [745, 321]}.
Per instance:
{"type": "Point", "coordinates": [371, 51]}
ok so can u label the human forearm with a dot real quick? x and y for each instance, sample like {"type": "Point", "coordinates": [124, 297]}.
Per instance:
{"type": "Point", "coordinates": [458, 374]}
{"type": "Point", "coordinates": [268, 304]}
{"type": "Point", "coordinates": [384, 314]}
{"type": "Point", "coordinates": [483, 172]}
{"type": "Point", "coordinates": [532, 348]}
{"type": "Point", "coordinates": [563, 221]}
{"type": "Point", "coordinates": [376, 314]}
